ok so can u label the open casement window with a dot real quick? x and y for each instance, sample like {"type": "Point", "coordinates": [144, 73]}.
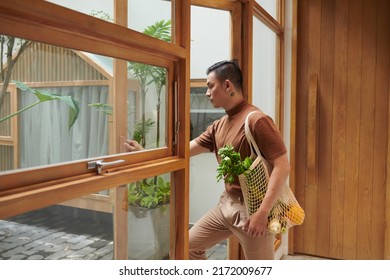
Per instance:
{"type": "Point", "coordinates": [123, 85]}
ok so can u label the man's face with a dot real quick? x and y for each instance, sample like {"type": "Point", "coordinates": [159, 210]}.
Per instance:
{"type": "Point", "coordinates": [216, 91]}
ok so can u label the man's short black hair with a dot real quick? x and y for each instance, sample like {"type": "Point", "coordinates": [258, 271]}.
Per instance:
{"type": "Point", "coordinates": [227, 69]}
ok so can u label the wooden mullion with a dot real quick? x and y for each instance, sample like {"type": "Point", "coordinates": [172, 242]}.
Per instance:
{"type": "Point", "coordinates": [266, 18]}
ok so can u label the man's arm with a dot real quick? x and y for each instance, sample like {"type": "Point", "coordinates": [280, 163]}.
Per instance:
{"type": "Point", "coordinates": [196, 149]}
{"type": "Point", "coordinates": [257, 223]}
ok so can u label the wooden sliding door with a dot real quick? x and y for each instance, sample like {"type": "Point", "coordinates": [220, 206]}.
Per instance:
{"type": "Point", "coordinates": [342, 128]}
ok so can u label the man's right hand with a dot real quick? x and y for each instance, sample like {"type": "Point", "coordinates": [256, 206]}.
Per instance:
{"type": "Point", "coordinates": [132, 146]}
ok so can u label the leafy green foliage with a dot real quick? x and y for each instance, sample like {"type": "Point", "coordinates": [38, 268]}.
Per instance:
{"type": "Point", "coordinates": [103, 107]}
{"type": "Point", "coordinates": [43, 96]}
{"type": "Point", "coordinates": [142, 129]}
{"type": "Point", "coordinates": [160, 30]}
{"type": "Point", "coordinates": [148, 193]}
{"type": "Point", "coordinates": [231, 164]}
{"type": "Point", "coordinates": [148, 74]}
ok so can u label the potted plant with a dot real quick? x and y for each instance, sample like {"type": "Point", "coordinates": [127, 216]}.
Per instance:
{"type": "Point", "coordinates": [148, 202]}
{"type": "Point", "coordinates": [149, 199]}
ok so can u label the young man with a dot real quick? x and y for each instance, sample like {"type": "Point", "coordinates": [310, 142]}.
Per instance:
{"type": "Point", "coordinates": [224, 83]}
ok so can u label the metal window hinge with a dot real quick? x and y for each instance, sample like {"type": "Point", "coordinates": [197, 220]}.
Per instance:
{"type": "Point", "coordinates": [100, 165]}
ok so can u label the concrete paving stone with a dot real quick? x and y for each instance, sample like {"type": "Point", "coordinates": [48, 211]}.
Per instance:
{"type": "Point", "coordinates": [8, 246]}
{"type": "Point", "coordinates": [33, 244]}
{"type": "Point", "coordinates": [98, 243]}
{"type": "Point", "coordinates": [18, 257]}
{"type": "Point", "coordinates": [68, 236]}
{"type": "Point", "coordinates": [81, 244]}
{"type": "Point", "coordinates": [36, 234]}
{"type": "Point", "coordinates": [59, 255]}
{"type": "Point", "coordinates": [81, 254]}
{"type": "Point", "coordinates": [16, 236]}
{"type": "Point", "coordinates": [105, 250]}
{"type": "Point", "coordinates": [51, 248]}
{"type": "Point", "coordinates": [92, 257]}
{"type": "Point", "coordinates": [77, 238]}
{"type": "Point", "coordinates": [3, 224]}
{"type": "Point", "coordinates": [35, 257]}
{"type": "Point", "coordinates": [3, 235]}
{"type": "Point", "coordinates": [14, 251]}
{"type": "Point", "coordinates": [46, 238]}
{"type": "Point", "coordinates": [54, 237]}
{"type": "Point", "coordinates": [30, 252]}
{"type": "Point", "coordinates": [109, 256]}
{"type": "Point", "coordinates": [42, 247]}
{"type": "Point", "coordinates": [61, 240]}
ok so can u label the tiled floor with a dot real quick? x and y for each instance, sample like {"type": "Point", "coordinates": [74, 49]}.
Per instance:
{"type": "Point", "coordinates": [41, 236]}
{"type": "Point", "coordinates": [219, 252]}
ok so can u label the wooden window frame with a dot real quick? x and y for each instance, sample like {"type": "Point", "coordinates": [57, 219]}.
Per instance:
{"type": "Point", "coordinates": [29, 189]}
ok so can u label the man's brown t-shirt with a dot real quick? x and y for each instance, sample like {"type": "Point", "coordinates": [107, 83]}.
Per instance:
{"type": "Point", "coordinates": [229, 130]}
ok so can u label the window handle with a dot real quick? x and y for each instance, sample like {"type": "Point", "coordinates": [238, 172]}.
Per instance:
{"type": "Point", "coordinates": [99, 165]}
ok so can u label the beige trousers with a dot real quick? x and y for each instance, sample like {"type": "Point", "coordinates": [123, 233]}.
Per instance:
{"type": "Point", "coordinates": [222, 222]}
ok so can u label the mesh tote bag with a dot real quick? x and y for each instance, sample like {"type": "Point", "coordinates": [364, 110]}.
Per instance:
{"type": "Point", "coordinates": [254, 182]}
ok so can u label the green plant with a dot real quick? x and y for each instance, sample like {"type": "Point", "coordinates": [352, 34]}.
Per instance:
{"type": "Point", "coordinates": [149, 194]}
{"type": "Point", "coordinates": [147, 74]}
{"type": "Point", "coordinates": [142, 129]}
{"type": "Point", "coordinates": [46, 96]}
{"type": "Point", "coordinates": [231, 164]}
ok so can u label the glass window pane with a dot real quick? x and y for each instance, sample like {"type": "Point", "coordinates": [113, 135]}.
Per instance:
{"type": "Point", "coordinates": [211, 46]}
{"type": "Point", "coordinates": [152, 17]}
{"type": "Point", "coordinates": [44, 133]}
{"type": "Point", "coordinates": [103, 9]}
{"type": "Point", "coordinates": [270, 6]}
{"type": "Point", "coordinates": [59, 232]}
{"type": "Point", "coordinates": [58, 100]}
{"type": "Point", "coordinates": [202, 111]}
{"type": "Point", "coordinates": [264, 68]}
{"type": "Point", "coordinates": [148, 215]}
{"type": "Point", "coordinates": [82, 228]}
{"type": "Point", "coordinates": [5, 110]}
{"type": "Point", "coordinates": [147, 105]}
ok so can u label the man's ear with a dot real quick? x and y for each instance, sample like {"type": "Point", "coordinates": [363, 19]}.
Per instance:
{"type": "Point", "coordinates": [229, 85]}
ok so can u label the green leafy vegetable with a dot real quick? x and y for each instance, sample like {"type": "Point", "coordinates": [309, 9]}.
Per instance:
{"type": "Point", "coordinates": [231, 164]}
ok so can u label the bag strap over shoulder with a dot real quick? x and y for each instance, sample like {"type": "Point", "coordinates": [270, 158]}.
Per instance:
{"type": "Point", "coordinates": [254, 148]}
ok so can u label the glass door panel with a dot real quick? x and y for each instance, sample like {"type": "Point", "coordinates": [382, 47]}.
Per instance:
{"type": "Point", "coordinates": [211, 46]}
{"type": "Point", "coordinates": [265, 68]}
{"type": "Point", "coordinates": [271, 7]}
